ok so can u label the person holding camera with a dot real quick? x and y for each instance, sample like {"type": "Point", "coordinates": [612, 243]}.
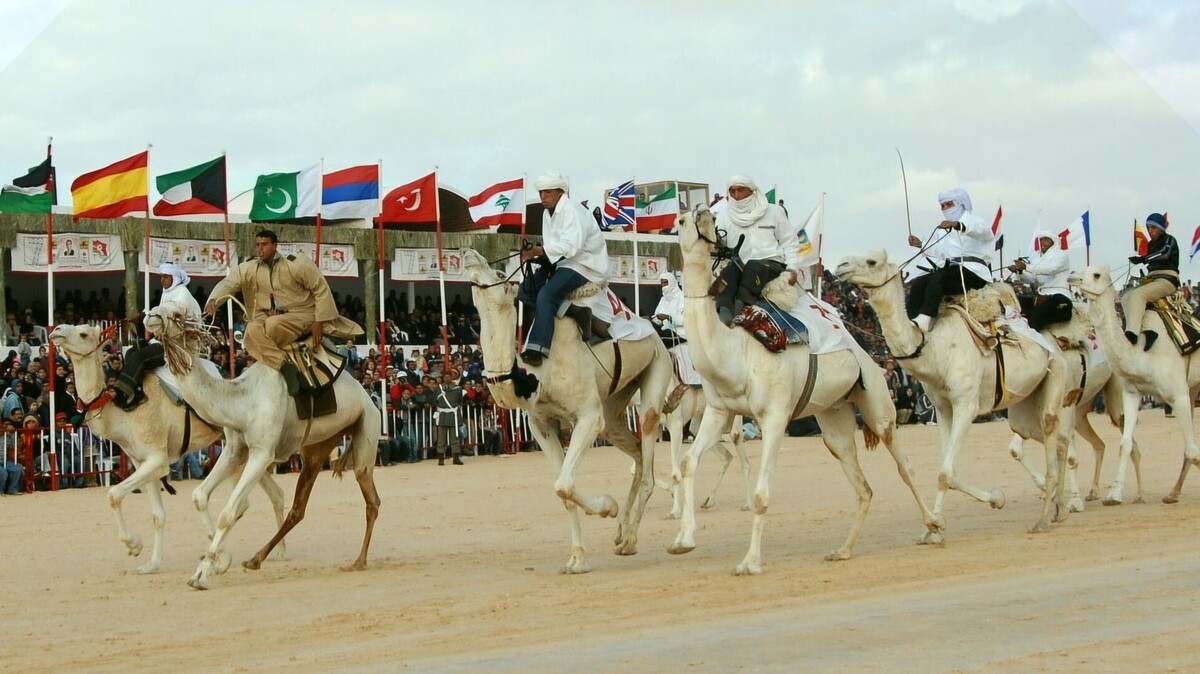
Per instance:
{"type": "Point", "coordinates": [1052, 303]}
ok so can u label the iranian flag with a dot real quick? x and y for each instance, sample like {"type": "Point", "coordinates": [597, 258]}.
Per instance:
{"type": "Point", "coordinates": [287, 196]}
{"type": "Point", "coordinates": [500, 204]}
{"type": "Point", "coordinates": [659, 212]}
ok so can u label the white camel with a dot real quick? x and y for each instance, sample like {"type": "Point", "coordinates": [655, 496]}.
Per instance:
{"type": "Point", "coordinates": [258, 415]}
{"type": "Point", "coordinates": [582, 386]}
{"type": "Point", "coordinates": [690, 410]}
{"type": "Point", "coordinates": [773, 388]}
{"type": "Point", "coordinates": [151, 435]}
{"type": "Point", "coordinates": [1097, 378]}
{"type": "Point", "coordinates": [1161, 372]}
{"type": "Point", "coordinates": [960, 379]}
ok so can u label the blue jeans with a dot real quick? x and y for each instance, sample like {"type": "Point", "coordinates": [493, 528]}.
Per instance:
{"type": "Point", "coordinates": [192, 461]}
{"type": "Point", "coordinates": [12, 474]}
{"type": "Point", "coordinates": [547, 295]}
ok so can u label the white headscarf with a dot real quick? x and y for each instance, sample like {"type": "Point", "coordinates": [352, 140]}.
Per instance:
{"type": "Point", "coordinates": [747, 211]}
{"type": "Point", "coordinates": [552, 180]}
{"type": "Point", "coordinates": [962, 203]}
{"type": "Point", "coordinates": [176, 272]}
{"type": "Point", "coordinates": [670, 290]}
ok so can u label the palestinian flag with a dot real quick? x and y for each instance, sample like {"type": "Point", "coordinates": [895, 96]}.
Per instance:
{"type": "Point", "coordinates": [29, 193]}
{"type": "Point", "coordinates": [197, 190]}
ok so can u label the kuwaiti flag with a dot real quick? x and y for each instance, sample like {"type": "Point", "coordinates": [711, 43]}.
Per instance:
{"type": "Point", "coordinates": [196, 190]}
{"type": "Point", "coordinates": [810, 237]}
{"type": "Point", "coordinates": [500, 204]}
{"type": "Point", "coordinates": [351, 193]}
{"type": "Point", "coordinates": [659, 212]}
{"type": "Point", "coordinates": [286, 196]}
{"type": "Point", "coordinates": [1077, 235]}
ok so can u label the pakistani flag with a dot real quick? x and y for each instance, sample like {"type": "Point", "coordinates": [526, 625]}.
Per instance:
{"type": "Point", "coordinates": [287, 196]}
{"type": "Point", "coordinates": [28, 194]}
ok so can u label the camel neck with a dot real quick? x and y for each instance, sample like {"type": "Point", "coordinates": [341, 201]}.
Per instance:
{"type": "Point", "coordinates": [1103, 310]}
{"type": "Point", "coordinates": [497, 339]}
{"type": "Point", "coordinates": [89, 376]}
{"type": "Point", "coordinates": [902, 337]}
{"type": "Point", "coordinates": [203, 391]}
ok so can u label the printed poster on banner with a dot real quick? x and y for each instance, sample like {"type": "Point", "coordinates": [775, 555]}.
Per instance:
{"type": "Point", "coordinates": [196, 257]}
{"type": "Point", "coordinates": [620, 269]}
{"type": "Point", "coordinates": [420, 264]}
{"type": "Point", "coordinates": [337, 260]}
{"type": "Point", "coordinates": [73, 253]}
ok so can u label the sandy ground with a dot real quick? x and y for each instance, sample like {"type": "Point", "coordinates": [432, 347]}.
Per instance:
{"type": "Point", "coordinates": [464, 577]}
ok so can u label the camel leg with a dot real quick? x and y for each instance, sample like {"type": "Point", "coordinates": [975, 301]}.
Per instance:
{"type": "Point", "coordinates": [840, 444]}
{"type": "Point", "coordinates": [774, 427]}
{"type": "Point", "coordinates": [1054, 507]}
{"type": "Point", "coordinates": [158, 515]}
{"type": "Point", "coordinates": [726, 459]}
{"type": "Point", "coordinates": [215, 559]}
{"type": "Point", "coordinates": [1191, 454]}
{"type": "Point", "coordinates": [1083, 426]}
{"type": "Point", "coordinates": [739, 446]}
{"type": "Point", "coordinates": [1074, 497]}
{"type": "Point", "coordinates": [959, 418]}
{"type": "Point", "coordinates": [310, 467]}
{"type": "Point", "coordinates": [275, 494]}
{"type": "Point", "coordinates": [711, 427]}
{"type": "Point", "coordinates": [932, 522]}
{"type": "Point", "coordinates": [147, 472]}
{"type": "Point", "coordinates": [642, 486]}
{"type": "Point", "coordinates": [583, 435]}
{"type": "Point", "coordinates": [546, 434]}
{"type": "Point", "coordinates": [675, 425]}
{"type": "Point", "coordinates": [1130, 400]}
{"type": "Point", "coordinates": [366, 484]}
{"type": "Point", "coordinates": [1016, 448]}
{"type": "Point", "coordinates": [228, 464]}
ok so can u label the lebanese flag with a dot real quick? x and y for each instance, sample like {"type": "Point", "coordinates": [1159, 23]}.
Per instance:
{"type": "Point", "coordinates": [413, 202]}
{"type": "Point", "coordinates": [500, 204]}
{"type": "Point", "coordinates": [1141, 238]}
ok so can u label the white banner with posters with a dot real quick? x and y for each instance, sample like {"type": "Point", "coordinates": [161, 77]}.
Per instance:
{"type": "Point", "coordinates": [337, 260]}
{"type": "Point", "coordinates": [620, 269]}
{"type": "Point", "coordinates": [197, 258]}
{"type": "Point", "coordinates": [73, 253]}
{"type": "Point", "coordinates": [420, 264]}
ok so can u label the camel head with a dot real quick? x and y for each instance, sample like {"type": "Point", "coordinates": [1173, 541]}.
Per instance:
{"type": "Point", "coordinates": [1091, 281]}
{"type": "Point", "coordinates": [181, 335]}
{"type": "Point", "coordinates": [869, 270]}
{"type": "Point", "coordinates": [80, 341]}
{"type": "Point", "coordinates": [479, 272]}
{"type": "Point", "coordinates": [697, 228]}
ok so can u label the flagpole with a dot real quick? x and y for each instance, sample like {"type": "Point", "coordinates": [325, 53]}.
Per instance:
{"type": "Point", "coordinates": [51, 367]}
{"type": "Point", "coordinates": [820, 240]}
{"type": "Point", "coordinates": [1087, 237]}
{"type": "Point", "coordinates": [146, 240]}
{"type": "Point", "coordinates": [320, 198]}
{"type": "Point", "coordinates": [524, 210]}
{"type": "Point", "coordinates": [228, 265]}
{"type": "Point", "coordinates": [383, 396]}
{"type": "Point", "coordinates": [437, 204]}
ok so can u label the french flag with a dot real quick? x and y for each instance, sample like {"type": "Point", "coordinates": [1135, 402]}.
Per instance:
{"type": "Point", "coordinates": [351, 193]}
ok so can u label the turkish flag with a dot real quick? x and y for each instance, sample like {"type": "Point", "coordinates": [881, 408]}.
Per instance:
{"type": "Point", "coordinates": [414, 202]}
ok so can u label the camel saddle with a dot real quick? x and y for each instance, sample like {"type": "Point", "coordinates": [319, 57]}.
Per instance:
{"type": "Point", "coordinates": [981, 310]}
{"type": "Point", "coordinates": [1181, 324]}
{"type": "Point", "coordinates": [319, 367]}
{"type": "Point", "coordinates": [773, 328]}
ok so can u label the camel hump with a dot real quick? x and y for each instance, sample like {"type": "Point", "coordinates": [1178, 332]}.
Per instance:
{"type": "Point", "coordinates": [984, 305]}
{"type": "Point", "coordinates": [589, 289]}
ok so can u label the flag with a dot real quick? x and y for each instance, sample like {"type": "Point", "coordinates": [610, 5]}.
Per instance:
{"type": "Point", "coordinates": [996, 228]}
{"type": "Point", "coordinates": [620, 207]}
{"type": "Point", "coordinates": [810, 238]}
{"type": "Point", "coordinates": [15, 199]}
{"type": "Point", "coordinates": [1141, 238]}
{"type": "Point", "coordinates": [194, 191]}
{"type": "Point", "coordinates": [413, 202]}
{"type": "Point", "coordinates": [351, 193]}
{"type": "Point", "coordinates": [1195, 244]}
{"type": "Point", "coordinates": [659, 212]}
{"type": "Point", "coordinates": [286, 196]}
{"type": "Point", "coordinates": [500, 204]}
{"type": "Point", "coordinates": [771, 196]}
{"type": "Point", "coordinates": [1034, 246]}
{"type": "Point", "coordinates": [113, 191]}
{"type": "Point", "coordinates": [1077, 234]}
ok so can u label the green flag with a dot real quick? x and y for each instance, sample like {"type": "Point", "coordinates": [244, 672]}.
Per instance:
{"type": "Point", "coordinates": [771, 196]}
{"type": "Point", "coordinates": [25, 199]}
{"type": "Point", "coordinates": [287, 196]}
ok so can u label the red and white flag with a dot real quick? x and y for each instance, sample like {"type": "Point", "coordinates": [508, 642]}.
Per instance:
{"type": "Point", "coordinates": [500, 204]}
{"type": "Point", "coordinates": [413, 202]}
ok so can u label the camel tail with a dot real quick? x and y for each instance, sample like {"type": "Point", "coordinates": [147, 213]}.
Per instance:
{"type": "Point", "coordinates": [870, 438]}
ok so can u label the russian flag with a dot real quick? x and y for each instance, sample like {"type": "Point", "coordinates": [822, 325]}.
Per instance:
{"type": "Point", "coordinates": [351, 193]}
{"type": "Point", "coordinates": [1195, 244]}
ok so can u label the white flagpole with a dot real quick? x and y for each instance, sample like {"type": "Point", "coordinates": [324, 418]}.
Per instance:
{"type": "Point", "coordinates": [50, 367]}
{"type": "Point", "coordinates": [146, 242]}
{"type": "Point", "coordinates": [383, 391]}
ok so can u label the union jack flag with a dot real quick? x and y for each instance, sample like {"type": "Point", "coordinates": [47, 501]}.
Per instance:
{"type": "Point", "coordinates": [619, 207]}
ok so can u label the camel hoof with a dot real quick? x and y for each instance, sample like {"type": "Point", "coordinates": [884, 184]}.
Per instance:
{"type": "Point", "coordinates": [680, 548]}
{"type": "Point", "coordinates": [1075, 505]}
{"type": "Point", "coordinates": [198, 581]}
{"type": "Point", "coordinates": [221, 562]}
{"type": "Point", "coordinates": [747, 507]}
{"type": "Point", "coordinates": [626, 549]}
{"type": "Point", "coordinates": [134, 545]}
{"type": "Point", "coordinates": [708, 504]}
{"type": "Point", "coordinates": [930, 538]}
{"type": "Point", "coordinates": [747, 569]}
{"type": "Point", "coordinates": [1112, 500]}
{"type": "Point", "coordinates": [673, 515]}
{"type": "Point", "coordinates": [611, 509]}
{"type": "Point", "coordinates": [839, 555]}
{"type": "Point", "coordinates": [252, 564]}
{"type": "Point", "coordinates": [147, 568]}
{"type": "Point", "coordinates": [1170, 498]}
{"type": "Point", "coordinates": [1139, 499]}
{"type": "Point", "coordinates": [1040, 528]}
{"type": "Point", "coordinates": [1060, 514]}
{"type": "Point", "coordinates": [575, 566]}
{"type": "Point", "coordinates": [996, 500]}
{"type": "Point", "coordinates": [1092, 496]}
{"type": "Point", "coordinates": [356, 566]}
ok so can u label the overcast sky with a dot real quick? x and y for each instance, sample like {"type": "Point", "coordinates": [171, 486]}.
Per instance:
{"type": "Point", "coordinates": [1048, 107]}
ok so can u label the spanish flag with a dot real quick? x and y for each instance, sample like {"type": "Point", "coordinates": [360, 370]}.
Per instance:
{"type": "Point", "coordinates": [113, 191]}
